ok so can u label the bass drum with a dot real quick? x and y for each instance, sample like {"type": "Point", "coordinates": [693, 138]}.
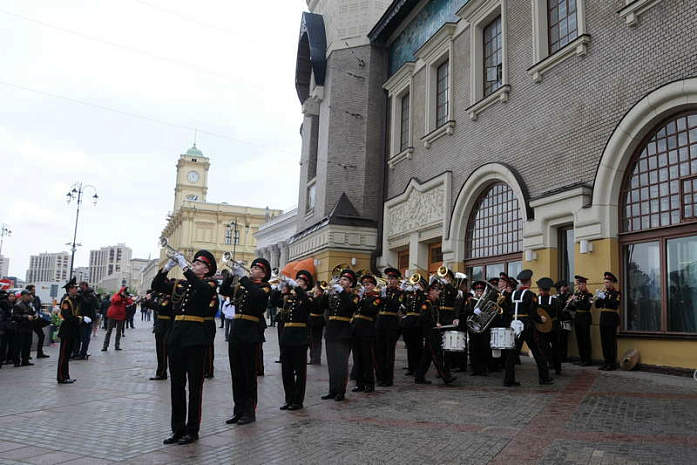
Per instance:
{"type": "Point", "coordinates": [455, 341]}
{"type": "Point", "coordinates": [502, 338]}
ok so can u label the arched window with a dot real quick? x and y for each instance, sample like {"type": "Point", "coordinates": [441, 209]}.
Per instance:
{"type": "Point", "coordinates": [494, 234]}
{"type": "Point", "coordinates": [658, 225]}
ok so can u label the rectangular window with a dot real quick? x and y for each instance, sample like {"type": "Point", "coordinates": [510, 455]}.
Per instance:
{"type": "Point", "coordinates": [404, 126]}
{"type": "Point", "coordinates": [311, 197]}
{"type": "Point", "coordinates": [403, 262]}
{"type": "Point", "coordinates": [566, 253]}
{"type": "Point", "coordinates": [493, 56]}
{"type": "Point", "coordinates": [442, 94]}
{"type": "Point", "coordinates": [562, 20]}
{"type": "Point", "coordinates": [643, 294]}
{"type": "Point", "coordinates": [514, 268]}
{"type": "Point", "coordinates": [682, 284]}
{"type": "Point", "coordinates": [314, 147]}
{"type": "Point", "coordinates": [237, 237]}
{"type": "Point", "coordinates": [435, 257]}
{"type": "Point", "coordinates": [228, 237]}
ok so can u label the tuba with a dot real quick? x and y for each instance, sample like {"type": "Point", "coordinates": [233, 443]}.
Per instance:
{"type": "Point", "coordinates": [489, 306]}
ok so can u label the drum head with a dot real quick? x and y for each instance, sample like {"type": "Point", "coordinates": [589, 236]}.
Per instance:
{"type": "Point", "coordinates": [629, 360]}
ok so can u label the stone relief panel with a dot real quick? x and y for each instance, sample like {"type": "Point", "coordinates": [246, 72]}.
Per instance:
{"type": "Point", "coordinates": [420, 210]}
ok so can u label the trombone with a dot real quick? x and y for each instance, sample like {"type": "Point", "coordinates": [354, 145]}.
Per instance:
{"type": "Point", "coordinates": [171, 251]}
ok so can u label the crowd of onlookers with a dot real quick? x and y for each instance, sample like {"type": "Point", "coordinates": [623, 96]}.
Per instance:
{"type": "Point", "coordinates": [23, 316]}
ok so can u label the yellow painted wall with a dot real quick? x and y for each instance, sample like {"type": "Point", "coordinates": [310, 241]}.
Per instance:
{"type": "Point", "coordinates": [545, 265]}
{"type": "Point", "coordinates": [328, 259]}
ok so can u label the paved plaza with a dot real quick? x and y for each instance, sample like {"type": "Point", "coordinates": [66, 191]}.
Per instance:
{"type": "Point", "coordinates": [113, 413]}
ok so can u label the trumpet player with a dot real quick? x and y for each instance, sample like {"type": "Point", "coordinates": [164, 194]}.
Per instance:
{"type": "Point", "coordinates": [316, 323]}
{"type": "Point", "coordinates": [341, 305]}
{"type": "Point", "coordinates": [363, 323]}
{"type": "Point", "coordinates": [608, 301]}
{"type": "Point", "coordinates": [581, 303]}
{"type": "Point", "coordinates": [550, 342]}
{"type": "Point", "coordinates": [524, 303]}
{"type": "Point", "coordinates": [411, 327]}
{"type": "Point", "coordinates": [193, 299]}
{"type": "Point", "coordinates": [388, 327]}
{"type": "Point", "coordinates": [565, 319]}
{"type": "Point", "coordinates": [251, 296]}
{"type": "Point", "coordinates": [294, 340]}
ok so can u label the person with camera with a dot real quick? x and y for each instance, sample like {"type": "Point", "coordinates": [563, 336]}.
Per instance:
{"type": "Point", "coordinates": [193, 300]}
{"type": "Point", "coordinates": [117, 317]}
{"type": "Point", "coordinates": [23, 315]}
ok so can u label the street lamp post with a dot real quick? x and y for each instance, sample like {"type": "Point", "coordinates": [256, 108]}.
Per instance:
{"type": "Point", "coordinates": [235, 234]}
{"type": "Point", "coordinates": [75, 193]}
{"type": "Point", "coordinates": [4, 231]}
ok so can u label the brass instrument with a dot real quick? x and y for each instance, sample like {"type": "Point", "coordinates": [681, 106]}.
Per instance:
{"type": "Point", "coordinates": [545, 326]}
{"type": "Point", "coordinates": [230, 263]}
{"type": "Point", "coordinates": [442, 271]}
{"type": "Point", "coordinates": [171, 251]}
{"type": "Point", "coordinates": [414, 279]}
{"type": "Point", "coordinates": [489, 307]}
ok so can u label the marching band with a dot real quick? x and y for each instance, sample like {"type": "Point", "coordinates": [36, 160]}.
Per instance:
{"type": "Point", "coordinates": [439, 320]}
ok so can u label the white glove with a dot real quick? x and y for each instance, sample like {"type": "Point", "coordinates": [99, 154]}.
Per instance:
{"type": "Point", "coordinates": [383, 292]}
{"type": "Point", "coordinates": [292, 282]}
{"type": "Point", "coordinates": [361, 293]}
{"type": "Point", "coordinates": [600, 295]}
{"type": "Point", "coordinates": [180, 260]}
{"type": "Point", "coordinates": [409, 289]}
{"type": "Point", "coordinates": [337, 288]}
{"type": "Point", "coordinates": [239, 272]}
{"type": "Point", "coordinates": [169, 265]}
{"type": "Point", "coordinates": [477, 311]}
{"type": "Point", "coordinates": [87, 319]}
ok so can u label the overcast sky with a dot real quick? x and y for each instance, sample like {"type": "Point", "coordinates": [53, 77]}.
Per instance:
{"type": "Point", "coordinates": [109, 92]}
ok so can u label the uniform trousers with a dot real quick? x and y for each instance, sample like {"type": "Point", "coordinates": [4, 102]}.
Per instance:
{"type": "Point", "coordinates": [582, 327]}
{"type": "Point", "coordinates": [66, 348]}
{"type": "Point", "coordinates": [209, 356]}
{"type": "Point", "coordinates": [243, 368]}
{"type": "Point", "coordinates": [479, 351]}
{"type": "Point", "coordinates": [364, 361]}
{"type": "Point", "coordinates": [552, 347]}
{"type": "Point", "coordinates": [608, 339]}
{"type": "Point", "coordinates": [385, 346]}
{"type": "Point", "coordinates": [433, 352]}
{"type": "Point", "coordinates": [316, 345]}
{"type": "Point", "coordinates": [83, 343]}
{"type": "Point", "coordinates": [294, 372]}
{"type": "Point", "coordinates": [527, 336]}
{"type": "Point", "coordinates": [564, 344]}
{"type": "Point", "coordinates": [186, 364]}
{"type": "Point", "coordinates": [414, 340]}
{"type": "Point", "coordinates": [161, 350]}
{"type": "Point", "coordinates": [338, 351]}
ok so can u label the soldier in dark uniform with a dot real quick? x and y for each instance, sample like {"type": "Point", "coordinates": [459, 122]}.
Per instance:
{"type": "Point", "coordinates": [316, 323]}
{"type": "Point", "coordinates": [341, 305]}
{"type": "Point", "coordinates": [277, 300]}
{"type": "Point", "coordinates": [565, 319]}
{"type": "Point", "coordinates": [447, 304]}
{"type": "Point", "coordinates": [388, 328]}
{"type": "Point", "coordinates": [550, 341]}
{"type": "Point", "coordinates": [251, 298]}
{"type": "Point", "coordinates": [608, 301]}
{"type": "Point", "coordinates": [410, 324]}
{"type": "Point", "coordinates": [523, 308]}
{"type": "Point", "coordinates": [479, 342]}
{"type": "Point", "coordinates": [295, 339]}
{"type": "Point", "coordinates": [581, 303]}
{"type": "Point", "coordinates": [364, 332]}
{"type": "Point", "coordinates": [193, 299]}
{"type": "Point", "coordinates": [69, 330]}
{"type": "Point", "coordinates": [163, 323]}
{"type": "Point", "coordinates": [433, 337]}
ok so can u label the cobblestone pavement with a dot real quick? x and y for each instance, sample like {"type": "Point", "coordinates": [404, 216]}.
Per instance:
{"type": "Point", "coordinates": [113, 413]}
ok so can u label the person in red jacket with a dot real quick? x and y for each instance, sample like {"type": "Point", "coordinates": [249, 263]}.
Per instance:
{"type": "Point", "coordinates": [117, 316]}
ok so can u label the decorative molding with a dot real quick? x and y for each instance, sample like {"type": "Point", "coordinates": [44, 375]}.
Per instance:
{"type": "Point", "coordinates": [446, 129]}
{"type": "Point", "coordinates": [419, 208]}
{"type": "Point", "coordinates": [405, 154]}
{"type": "Point", "coordinates": [633, 9]}
{"type": "Point", "coordinates": [334, 236]}
{"type": "Point", "coordinates": [577, 47]}
{"type": "Point", "coordinates": [436, 45]}
{"type": "Point", "coordinates": [500, 96]}
{"type": "Point", "coordinates": [400, 79]}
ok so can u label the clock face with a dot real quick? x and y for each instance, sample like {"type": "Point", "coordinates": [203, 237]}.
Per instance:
{"type": "Point", "coordinates": [192, 176]}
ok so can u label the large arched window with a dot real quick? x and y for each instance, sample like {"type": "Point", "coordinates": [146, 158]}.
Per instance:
{"type": "Point", "coordinates": [494, 234]}
{"type": "Point", "coordinates": [658, 230]}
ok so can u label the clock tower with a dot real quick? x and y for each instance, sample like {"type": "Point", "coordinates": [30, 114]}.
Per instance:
{"type": "Point", "coordinates": [192, 177]}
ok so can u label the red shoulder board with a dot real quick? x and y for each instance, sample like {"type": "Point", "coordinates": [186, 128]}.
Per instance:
{"type": "Point", "coordinates": [424, 307]}
{"type": "Point", "coordinates": [377, 301]}
{"type": "Point", "coordinates": [355, 299]}
{"type": "Point", "coordinates": [266, 288]}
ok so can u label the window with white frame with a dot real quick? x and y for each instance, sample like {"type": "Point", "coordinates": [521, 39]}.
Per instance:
{"type": "Point", "coordinates": [488, 53]}
{"type": "Point", "coordinates": [400, 131]}
{"type": "Point", "coordinates": [559, 32]}
{"type": "Point", "coordinates": [437, 54]}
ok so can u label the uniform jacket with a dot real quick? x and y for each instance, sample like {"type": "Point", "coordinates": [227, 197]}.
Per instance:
{"type": "Point", "coordinates": [192, 297]}
{"type": "Point", "coordinates": [526, 303]}
{"type": "Point", "coordinates": [340, 309]}
{"type": "Point", "coordinates": [447, 304]}
{"type": "Point", "coordinates": [70, 311]}
{"type": "Point", "coordinates": [363, 321]}
{"type": "Point", "coordinates": [298, 306]}
{"type": "Point", "coordinates": [429, 316]}
{"type": "Point", "coordinates": [164, 315]}
{"type": "Point", "coordinates": [316, 318]}
{"type": "Point", "coordinates": [250, 299]}
{"type": "Point", "coordinates": [609, 315]}
{"type": "Point", "coordinates": [582, 305]}
{"type": "Point", "coordinates": [388, 318]}
{"type": "Point", "coordinates": [412, 302]}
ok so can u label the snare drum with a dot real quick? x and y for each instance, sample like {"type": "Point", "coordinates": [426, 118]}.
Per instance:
{"type": "Point", "coordinates": [502, 338]}
{"type": "Point", "coordinates": [454, 341]}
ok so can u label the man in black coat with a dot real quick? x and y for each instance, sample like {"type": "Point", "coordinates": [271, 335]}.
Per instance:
{"type": "Point", "coordinates": [294, 340]}
{"type": "Point", "coordinates": [24, 317]}
{"type": "Point", "coordinates": [194, 299]}
{"type": "Point", "coordinates": [39, 323]}
{"type": "Point", "coordinates": [251, 297]}
{"type": "Point", "coordinates": [89, 306]}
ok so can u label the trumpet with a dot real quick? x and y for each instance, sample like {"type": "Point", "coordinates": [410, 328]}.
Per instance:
{"type": "Point", "coordinates": [171, 251]}
{"type": "Point", "coordinates": [230, 263]}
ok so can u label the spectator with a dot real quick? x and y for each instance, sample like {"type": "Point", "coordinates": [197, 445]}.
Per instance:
{"type": "Point", "coordinates": [39, 323]}
{"type": "Point", "coordinates": [7, 326]}
{"type": "Point", "coordinates": [117, 317]}
{"type": "Point", "coordinates": [104, 307]}
{"type": "Point", "coordinates": [89, 306]}
{"type": "Point", "coordinates": [23, 315]}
